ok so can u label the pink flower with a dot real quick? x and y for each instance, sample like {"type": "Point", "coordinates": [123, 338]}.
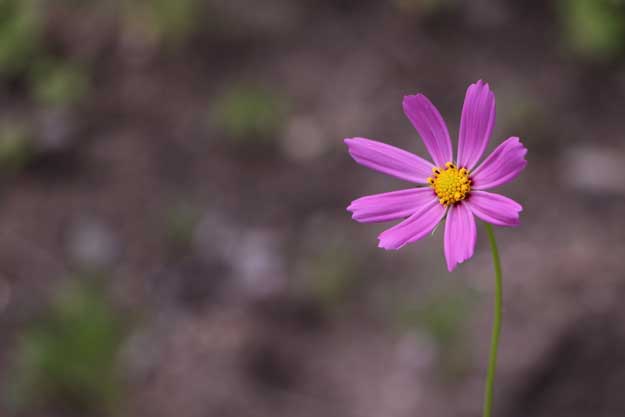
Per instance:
{"type": "Point", "coordinates": [451, 188]}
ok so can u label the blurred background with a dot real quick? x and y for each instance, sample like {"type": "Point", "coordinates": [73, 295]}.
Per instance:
{"type": "Point", "coordinates": [173, 233]}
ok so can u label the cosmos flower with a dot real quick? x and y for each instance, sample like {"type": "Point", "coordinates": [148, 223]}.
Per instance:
{"type": "Point", "coordinates": [449, 188]}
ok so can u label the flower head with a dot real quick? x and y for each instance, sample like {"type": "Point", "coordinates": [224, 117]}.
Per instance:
{"type": "Point", "coordinates": [448, 188]}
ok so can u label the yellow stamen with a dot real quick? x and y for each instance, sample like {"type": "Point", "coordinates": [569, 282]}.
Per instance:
{"type": "Point", "coordinates": [451, 184]}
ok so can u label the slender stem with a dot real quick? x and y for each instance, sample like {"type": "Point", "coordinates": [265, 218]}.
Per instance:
{"type": "Point", "coordinates": [494, 344]}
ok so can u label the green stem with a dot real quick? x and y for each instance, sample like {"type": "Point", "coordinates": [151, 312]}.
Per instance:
{"type": "Point", "coordinates": [494, 344]}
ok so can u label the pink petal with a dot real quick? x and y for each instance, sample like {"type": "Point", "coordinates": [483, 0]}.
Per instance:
{"type": "Point", "coordinates": [414, 227]}
{"type": "Point", "coordinates": [390, 206]}
{"type": "Point", "coordinates": [460, 235]}
{"type": "Point", "coordinates": [389, 160]}
{"type": "Point", "coordinates": [503, 165]}
{"type": "Point", "coordinates": [431, 127]}
{"type": "Point", "coordinates": [476, 124]}
{"type": "Point", "coordinates": [494, 208]}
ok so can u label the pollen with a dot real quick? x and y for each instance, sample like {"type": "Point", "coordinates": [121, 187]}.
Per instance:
{"type": "Point", "coordinates": [451, 184]}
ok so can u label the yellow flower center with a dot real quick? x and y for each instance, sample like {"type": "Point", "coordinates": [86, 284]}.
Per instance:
{"type": "Point", "coordinates": [450, 184]}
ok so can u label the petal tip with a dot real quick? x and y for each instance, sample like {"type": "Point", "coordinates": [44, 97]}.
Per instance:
{"type": "Point", "coordinates": [483, 84]}
{"type": "Point", "coordinates": [414, 99]}
{"type": "Point", "coordinates": [410, 99]}
{"type": "Point", "coordinates": [452, 265]}
{"type": "Point", "coordinates": [387, 242]}
{"type": "Point", "coordinates": [386, 245]}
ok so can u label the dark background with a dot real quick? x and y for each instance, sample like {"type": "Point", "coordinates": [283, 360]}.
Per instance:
{"type": "Point", "coordinates": [173, 233]}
